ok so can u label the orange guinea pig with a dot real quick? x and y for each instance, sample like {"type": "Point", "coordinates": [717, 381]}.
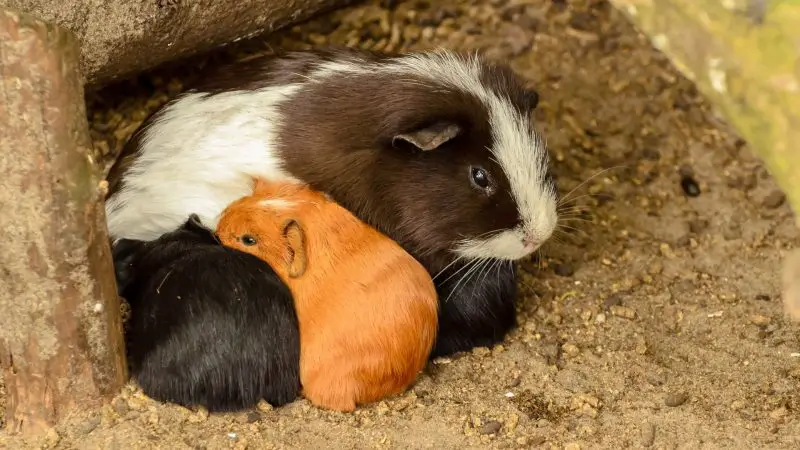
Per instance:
{"type": "Point", "coordinates": [367, 309]}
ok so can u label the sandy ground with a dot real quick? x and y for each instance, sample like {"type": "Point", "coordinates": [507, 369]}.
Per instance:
{"type": "Point", "coordinates": [656, 321]}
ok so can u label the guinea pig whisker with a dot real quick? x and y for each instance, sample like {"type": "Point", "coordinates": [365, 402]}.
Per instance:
{"type": "Point", "coordinates": [574, 199]}
{"type": "Point", "coordinates": [458, 271]}
{"type": "Point", "coordinates": [447, 267]}
{"type": "Point", "coordinates": [486, 235]}
{"type": "Point", "coordinates": [495, 264]}
{"type": "Point", "coordinates": [473, 266]}
{"type": "Point", "coordinates": [576, 216]}
{"type": "Point", "coordinates": [576, 219]}
{"type": "Point", "coordinates": [484, 265]}
{"type": "Point", "coordinates": [578, 230]}
{"type": "Point", "coordinates": [579, 214]}
{"type": "Point", "coordinates": [566, 197]}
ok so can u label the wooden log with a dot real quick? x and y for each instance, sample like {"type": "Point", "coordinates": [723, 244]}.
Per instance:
{"type": "Point", "coordinates": [122, 38]}
{"type": "Point", "coordinates": [61, 342]}
{"type": "Point", "coordinates": [744, 56]}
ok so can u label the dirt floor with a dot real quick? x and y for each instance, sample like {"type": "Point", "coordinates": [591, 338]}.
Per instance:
{"type": "Point", "coordinates": [655, 322]}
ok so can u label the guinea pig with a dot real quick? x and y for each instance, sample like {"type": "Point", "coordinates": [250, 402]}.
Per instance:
{"type": "Point", "coordinates": [209, 325]}
{"type": "Point", "coordinates": [367, 309]}
{"type": "Point", "coordinates": [435, 150]}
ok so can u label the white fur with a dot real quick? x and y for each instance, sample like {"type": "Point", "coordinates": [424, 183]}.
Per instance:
{"type": "Point", "coordinates": [276, 203]}
{"type": "Point", "coordinates": [198, 157]}
{"type": "Point", "coordinates": [203, 151]}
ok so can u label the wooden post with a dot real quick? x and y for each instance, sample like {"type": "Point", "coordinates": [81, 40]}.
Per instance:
{"type": "Point", "coordinates": [61, 344]}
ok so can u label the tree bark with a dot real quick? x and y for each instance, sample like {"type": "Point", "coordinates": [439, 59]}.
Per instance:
{"type": "Point", "coordinates": [61, 342]}
{"type": "Point", "coordinates": [122, 38]}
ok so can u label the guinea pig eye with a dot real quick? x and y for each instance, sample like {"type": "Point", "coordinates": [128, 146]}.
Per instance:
{"type": "Point", "coordinates": [479, 177]}
{"type": "Point", "coordinates": [248, 240]}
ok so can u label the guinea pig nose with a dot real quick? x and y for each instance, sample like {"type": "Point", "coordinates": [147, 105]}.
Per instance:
{"type": "Point", "coordinates": [530, 242]}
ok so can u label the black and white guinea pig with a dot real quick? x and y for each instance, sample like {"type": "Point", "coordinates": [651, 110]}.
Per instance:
{"type": "Point", "coordinates": [209, 325]}
{"type": "Point", "coordinates": [436, 150]}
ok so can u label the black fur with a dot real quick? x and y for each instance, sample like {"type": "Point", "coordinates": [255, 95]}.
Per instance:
{"type": "Point", "coordinates": [479, 311]}
{"type": "Point", "coordinates": [209, 325]}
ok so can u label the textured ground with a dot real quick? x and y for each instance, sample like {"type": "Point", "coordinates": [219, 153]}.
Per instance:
{"type": "Point", "coordinates": [657, 323]}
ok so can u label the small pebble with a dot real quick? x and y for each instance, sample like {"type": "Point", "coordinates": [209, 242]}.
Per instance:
{"type": "Point", "coordinates": [564, 270]}
{"type": "Point", "coordinates": [763, 297]}
{"type": "Point", "coordinates": [253, 417]}
{"type": "Point", "coordinates": [121, 407]}
{"type": "Point", "coordinates": [690, 186]}
{"type": "Point", "coordinates": [779, 414]}
{"type": "Point", "coordinates": [685, 171]}
{"type": "Point", "coordinates": [759, 320]}
{"type": "Point", "coordinates": [537, 440]}
{"type": "Point", "coordinates": [623, 311]}
{"type": "Point", "coordinates": [200, 416]}
{"type": "Point", "coordinates": [490, 427]}
{"type": "Point", "coordinates": [600, 319]}
{"type": "Point", "coordinates": [648, 434]}
{"type": "Point", "coordinates": [264, 406]}
{"type": "Point", "coordinates": [611, 301]}
{"type": "Point", "coordinates": [774, 199]}
{"type": "Point", "coordinates": [731, 231]}
{"type": "Point", "coordinates": [88, 426]}
{"type": "Point", "coordinates": [676, 399]}
{"type": "Point", "coordinates": [571, 350]}
{"type": "Point", "coordinates": [697, 226]}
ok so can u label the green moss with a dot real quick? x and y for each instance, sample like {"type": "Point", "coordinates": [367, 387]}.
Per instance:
{"type": "Point", "coordinates": [755, 84]}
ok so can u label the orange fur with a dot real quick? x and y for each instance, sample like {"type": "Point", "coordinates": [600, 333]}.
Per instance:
{"type": "Point", "coordinates": [367, 309]}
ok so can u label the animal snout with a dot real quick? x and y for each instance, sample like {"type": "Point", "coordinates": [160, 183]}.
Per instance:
{"type": "Point", "coordinates": [531, 243]}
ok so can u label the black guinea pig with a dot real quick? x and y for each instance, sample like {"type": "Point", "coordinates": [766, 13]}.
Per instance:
{"type": "Point", "coordinates": [480, 310]}
{"type": "Point", "coordinates": [437, 150]}
{"type": "Point", "coordinates": [209, 325]}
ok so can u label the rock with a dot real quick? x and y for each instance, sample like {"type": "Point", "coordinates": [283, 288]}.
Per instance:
{"type": "Point", "coordinates": [623, 311]}
{"type": "Point", "coordinates": [774, 199]}
{"type": "Point", "coordinates": [611, 301]}
{"type": "Point", "coordinates": [201, 415]}
{"type": "Point", "coordinates": [648, 434]}
{"type": "Point", "coordinates": [690, 186]}
{"type": "Point", "coordinates": [564, 270]}
{"type": "Point", "coordinates": [490, 427]}
{"type": "Point", "coordinates": [759, 320]}
{"type": "Point", "coordinates": [88, 426]}
{"type": "Point", "coordinates": [676, 399]}
{"type": "Point", "coordinates": [264, 406]}
{"type": "Point", "coordinates": [685, 170]}
{"type": "Point", "coordinates": [697, 226]}
{"type": "Point", "coordinates": [779, 414]}
{"type": "Point", "coordinates": [571, 350]}
{"type": "Point", "coordinates": [121, 407]}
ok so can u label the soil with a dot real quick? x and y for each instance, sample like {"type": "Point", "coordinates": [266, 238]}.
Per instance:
{"type": "Point", "coordinates": [654, 319]}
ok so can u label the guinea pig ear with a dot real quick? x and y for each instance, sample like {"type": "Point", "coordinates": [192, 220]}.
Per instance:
{"type": "Point", "coordinates": [194, 222]}
{"type": "Point", "coordinates": [295, 239]}
{"type": "Point", "coordinates": [532, 98]}
{"type": "Point", "coordinates": [196, 226]}
{"type": "Point", "coordinates": [430, 137]}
